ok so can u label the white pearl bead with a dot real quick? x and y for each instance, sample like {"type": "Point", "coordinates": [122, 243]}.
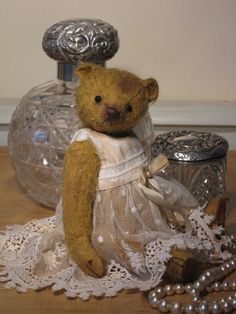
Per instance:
{"type": "Point", "coordinates": [203, 308]}
{"type": "Point", "coordinates": [229, 267]}
{"type": "Point", "coordinates": [226, 307]}
{"type": "Point", "coordinates": [209, 277]}
{"type": "Point", "coordinates": [193, 292]}
{"type": "Point", "coordinates": [190, 309]}
{"type": "Point", "coordinates": [176, 308]}
{"type": "Point", "coordinates": [164, 306]}
{"type": "Point", "coordinates": [215, 308]}
{"type": "Point", "coordinates": [232, 262]}
{"type": "Point", "coordinates": [168, 289]}
{"type": "Point", "coordinates": [198, 285]}
{"type": "Point", "coordinates": [179, 288]}
{"type": "Point", "coordinates": [154, 301]}
{"type": "Point", "coordinates": [203, 278]}
{"type": "Point", "coordinates": [188, 287]}
{"type": "Point", "coordinates": [208, 274]}
{"type": "Point", "coordinates": [217, 286]}
{"type": "Point", "coordinates": [224, 270]}
{"type": "Point", "coordinates": [233, 285]}
{"type": "Point", "coordinates": [226, 286]}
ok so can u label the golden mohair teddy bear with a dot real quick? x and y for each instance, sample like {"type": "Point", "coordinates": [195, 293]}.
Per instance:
{"type": "Point", "coordinates": [110, 102]}
{"type": "Point", "coordinates": [121, 220]}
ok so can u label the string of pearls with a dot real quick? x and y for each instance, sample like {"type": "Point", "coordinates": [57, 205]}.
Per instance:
{"type": "Point", "coordinates": [209, 281]}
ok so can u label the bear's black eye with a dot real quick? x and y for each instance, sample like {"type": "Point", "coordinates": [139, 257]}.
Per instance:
{"type": "Point", "coordinates": [129, 108]}
{"type": "Point", "coordinates": [98, 98]}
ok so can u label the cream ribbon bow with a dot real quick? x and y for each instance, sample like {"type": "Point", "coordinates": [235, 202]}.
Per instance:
{"type": "Point", "coordinates": [150, 188]}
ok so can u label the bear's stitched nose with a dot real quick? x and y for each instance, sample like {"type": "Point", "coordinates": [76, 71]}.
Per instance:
{"type": "Point", "coordinates": [112, 114]}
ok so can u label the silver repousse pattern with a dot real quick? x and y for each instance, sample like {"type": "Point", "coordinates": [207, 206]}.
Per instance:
{"type": "Point", "coordinates": [81, 40]}
{"type": "Point", "coordinates": [190, 145]}
{"type": "Point", "coordinates": [197, 160]}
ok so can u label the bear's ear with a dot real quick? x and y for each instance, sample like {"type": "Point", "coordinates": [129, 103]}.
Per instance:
{"type": "Point", "coordinates": [85, 69]}
{"type": "Point", "coordinates": [152, 89]}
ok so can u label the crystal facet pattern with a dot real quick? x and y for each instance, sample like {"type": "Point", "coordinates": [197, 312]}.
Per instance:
{"type": "Point", "coordinates": [205, 180]}
{"type": "Point", "coordinates": [40, 130]}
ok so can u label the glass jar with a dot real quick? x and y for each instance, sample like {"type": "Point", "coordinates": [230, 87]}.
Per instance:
{"type": "Point", "coordinates": [197, 160]}
{"type": "Point", "coordinates": [44, 122]}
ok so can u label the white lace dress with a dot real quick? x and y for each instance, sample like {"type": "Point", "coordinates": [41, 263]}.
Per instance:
{"type": "Point", "coordinates": [131, 231]}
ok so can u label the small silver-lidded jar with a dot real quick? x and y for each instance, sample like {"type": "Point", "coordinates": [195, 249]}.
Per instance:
{"type": "Point", "coordinates": [197, 160]}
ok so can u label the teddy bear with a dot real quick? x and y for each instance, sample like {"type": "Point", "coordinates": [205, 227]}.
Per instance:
{"type": "Point", "coordinates": [121, 220]}
{"type": "Point", "coordinates": [110, 102]}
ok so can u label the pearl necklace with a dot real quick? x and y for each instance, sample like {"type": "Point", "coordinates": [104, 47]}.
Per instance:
{"type": "Point", "coordinates": [207, 282]}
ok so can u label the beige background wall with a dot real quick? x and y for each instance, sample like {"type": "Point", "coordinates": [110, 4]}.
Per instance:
{"type": "Point", "coordinates": [189, 45]}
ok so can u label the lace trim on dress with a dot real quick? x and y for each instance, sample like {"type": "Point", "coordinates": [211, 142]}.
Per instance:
{"type": "Point", "coordinates": [34, 256]}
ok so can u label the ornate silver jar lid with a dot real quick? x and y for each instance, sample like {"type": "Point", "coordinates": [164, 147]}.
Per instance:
{"type": "Point", "coordinates": [77, 40]}
{"type": "Point", "coordinates": [73, 41]}
{"type": "Point", "coordinates": [190, 145]}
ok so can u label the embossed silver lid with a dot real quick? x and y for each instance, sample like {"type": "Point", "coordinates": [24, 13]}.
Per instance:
{"type": "Point", "coordinates": [75, 40]}
{"type": "Point", "coordinates": [190, 145]}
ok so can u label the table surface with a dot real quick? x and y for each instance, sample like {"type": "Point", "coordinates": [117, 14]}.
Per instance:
{"type": "Point", "coordinates": [17, 208]}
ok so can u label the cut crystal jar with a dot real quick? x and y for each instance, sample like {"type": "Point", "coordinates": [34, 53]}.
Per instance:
{"type": "Point", "coordinates": [40, 131]}
{"type": "Point", "coordinates": [197, 160]}
{"type": "Point", "coordinates": [44, 122]}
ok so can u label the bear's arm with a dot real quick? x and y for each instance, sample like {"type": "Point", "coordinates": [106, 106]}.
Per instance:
{"type": "Point", "coordinates": [81, 168]}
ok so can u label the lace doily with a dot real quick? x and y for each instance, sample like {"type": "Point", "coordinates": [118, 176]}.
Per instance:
{"type": "Point", "coordinates": [34, 256]}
